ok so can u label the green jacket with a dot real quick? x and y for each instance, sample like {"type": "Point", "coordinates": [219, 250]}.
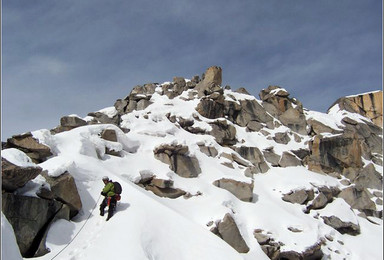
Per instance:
{"type": "Point", "coordinates": [109, 189]}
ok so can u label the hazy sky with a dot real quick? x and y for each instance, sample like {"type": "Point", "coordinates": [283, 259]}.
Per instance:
{"type": "Point", "coordinates": [62, 57]}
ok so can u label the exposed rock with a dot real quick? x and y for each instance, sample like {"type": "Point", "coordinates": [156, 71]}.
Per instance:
{"type": "Point", "coordinates": [179, 81]}
{"type": "Point", "coordinates": [138, 99]}
{"type": "Point", "coordinates": [209, 150]}
{"type": "Point", "coordinates": [288, 110]}
{"type": "Point", "coordinates": [175, 88]}
{"type": "Point", "coordinates": [211, 82]}
{"type": "Point", "coordinates": [268, 244]}
{"type": "Point", "coordinates": [164, 188]}
{"type": "Point", "coordinates": [289, 160]}
{"type": "Point", "coordinates": [242, 190]}
{"type": "Point", "coordinates": [369, 105]}
{"type": "Point", "coordinates": [357, 198]}
{"type": "Point", "coordinates": [342, 226]}
{"type": "Point", "coordinates": [329, 192]}
{"type": "Point", "coordinates": [261, 238]}
{"type": "Point", "coordinates": [36, 151]}
{"type": "Point", "coordinates": [295, 229]}
{"type": "Point", "coordinates": [224, 133]}
{"type": "Point", "coordinates": [29, 217]}
{"type": "Point", "coordinates": [282, 138]}
{"type": "Point", "coordinates": [121, 105]}
{"type": "Point", "coordinates": [271, 157]}
{"type": "Point", "coordinates": [109, 135]}
{"type": "Point", "coordinates": [14, 177]}
{"type": "Point", "coordinates": [301, 153]}
{"type": "Point", "coordinates": [64, 190]}
{"type": "Point", "coordinates": [254, 126]}
{"type": "Point", "coordinates": [319, 202]}
{"type": "Point", "coordinates": [368, 177]}
{"type": "Point", "coordinates": [72, 121]}
{"type": "Point", "coordinates": [369, 135]}
{"type": "Point", "coordinates": [251, 110]}
{"type": "Point", "coordinates": [242, 91]}
{"type": "Point", "coordinates": [229, 232]}
{"type": "Point", "coordinates": [102, 118]}
{"type": "Point", "coordinates": [253, 155]}
{"type": "Point", "coordinates": [318, 127]}
{"type": "Point", "coordinates": [301, 196]}
{"type": "Point", "coordinates": [210, 109]}
{"type": "Point", "coordinates": [311, 253]}
{"type": "Point", "coordinates": [176, 156]}
{"type": "Point", "coordinates": [329, 154]}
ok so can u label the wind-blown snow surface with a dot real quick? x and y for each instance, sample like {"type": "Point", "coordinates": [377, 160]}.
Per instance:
{"type": "Point", "coordinates": [148, 227]}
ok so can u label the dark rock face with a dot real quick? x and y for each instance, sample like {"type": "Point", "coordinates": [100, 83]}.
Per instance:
{"type": "Point", "coordinates": [14, 177]}
{"type": "Point", "coordinates": [29, 218]}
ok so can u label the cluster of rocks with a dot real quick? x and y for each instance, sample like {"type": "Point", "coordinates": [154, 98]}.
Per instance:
{"type": "Point", "coordinates": [31, 217]}
{"type": "Point", "coordinates": [272, 248]}
{"type": "Point", "coordinates": [336, 152]}
{"type": "Point", "coordinates": [318, 198]}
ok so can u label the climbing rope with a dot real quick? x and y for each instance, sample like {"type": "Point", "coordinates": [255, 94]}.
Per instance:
{"type": "Point", "coordinates": [79, 230]}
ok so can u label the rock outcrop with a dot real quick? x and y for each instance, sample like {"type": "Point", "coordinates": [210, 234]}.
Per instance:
{"type": "Point", "coordinates": [29, 145]}
{"type": "Point", "coordinates": [14, 177]}
{"type": "Point", "coordinates": [178, 159]}
{"type": "Point", "coordinates": [232, 128]}
{"type": "Point", "coordinates": [31, 217]}
{"type": "Point", "coordinates": [243, 191]}
{"type": "Point", "coordinates": [288, 110]}
{"type": "Point", "coordinates": [369, 105]}
{"type": "Point", "coordinates": [229, 232]}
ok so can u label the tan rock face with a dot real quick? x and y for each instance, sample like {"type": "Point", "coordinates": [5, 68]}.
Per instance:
{"type": "Point", "coordinates": [373, 105]}
{"type": "Point", "coordinates": [369, 105]}
{"type": "Point", "coordinates": [335, 153]}
{"type": "Point", "coordinates": [213, 75]}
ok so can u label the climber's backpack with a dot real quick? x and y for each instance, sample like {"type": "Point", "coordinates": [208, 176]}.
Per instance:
{"type": "Point", "coordinates": [118, 190]}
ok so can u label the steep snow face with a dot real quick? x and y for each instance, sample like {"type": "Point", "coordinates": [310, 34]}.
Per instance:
{"type": "Point", "coordinates": [146, 226]}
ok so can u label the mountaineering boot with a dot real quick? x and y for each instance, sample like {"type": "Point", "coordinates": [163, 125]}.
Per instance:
{"type": "Point", "coordinates": [110, 213]}
{"type": "Point", "coordinates": [101, 212]}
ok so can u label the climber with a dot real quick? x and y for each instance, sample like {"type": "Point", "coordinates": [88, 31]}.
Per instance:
{"type": "Point", "coordinates": [110, 200]}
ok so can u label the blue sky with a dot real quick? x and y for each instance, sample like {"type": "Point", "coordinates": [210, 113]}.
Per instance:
{"type": "Point", "coordinates": [75, 57]}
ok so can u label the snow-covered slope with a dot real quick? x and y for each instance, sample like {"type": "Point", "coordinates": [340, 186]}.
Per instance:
{"type": "Point", "coordinates": [146, 226]}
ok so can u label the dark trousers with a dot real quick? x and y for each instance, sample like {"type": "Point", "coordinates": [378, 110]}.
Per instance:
{"type": "Point", "coordinates": [112, 206]}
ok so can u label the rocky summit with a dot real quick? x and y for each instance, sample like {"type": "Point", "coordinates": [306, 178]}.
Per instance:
{"type": "Point", "coordinates": [207, 173]}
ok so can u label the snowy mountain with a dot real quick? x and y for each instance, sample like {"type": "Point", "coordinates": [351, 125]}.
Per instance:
{"type": "Point", "coordinates": [207, 173]}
